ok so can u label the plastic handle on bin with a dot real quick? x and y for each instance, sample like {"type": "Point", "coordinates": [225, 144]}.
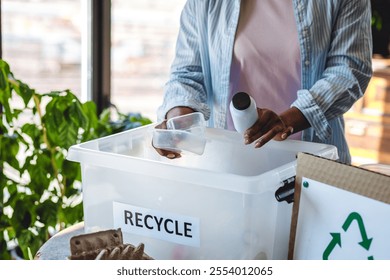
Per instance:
{"type": "Point", "coordinates": [286, 192]}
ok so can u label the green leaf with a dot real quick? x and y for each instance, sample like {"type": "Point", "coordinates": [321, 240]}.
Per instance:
{"type": "Point", "coordinates": [5, 94]}
{"type": "Point", "coordinates": [11, 233]}
{"type": "Point", "coordinates": [77, 115]}
{"type": "Point", "coordinates": [24, 91]}
{"type": "Point", "coordinates": [11, 189]}
{"type": "Point", "coordinates": [68, 135]}
{"type": "Point", "coordinates": [71, 171]}
{"type": "Point", "coordinates": [72, 215]}
{"type": "Point", "coordinates": [63, 119]}
{"type": "Point", "coordinates": [105, 116]}
{"type": "Point", "coordinates": [59, 158]}
{"type": "Point", "coordinates": [4, 65]}
{"type": "Point", "coordinates": [31, 130]}
{"type": "Point", "coordinates": [53, 94]}
{"type": "Point", "coordinates": [28, 241]}
{"type": "Point", "coordinates": [52, 120]}
{"type": "Point", "coordinates": [2, 186]}
{"type": "Point", "coordinates": [30, 256]}
{"type": "Point", "coordinates": [21, 218]}
{"type": "Point", "coordinates": [41, 173]}
{"type": "Point", "coordinates": [47, 213]}
{"type": "Point", "coordinates": [4, 254]}
{"type": "Point", "coordinates": [9, 148]}
{"type": "Point", "coordinates": [3, 217]}
{"type": "Point", "coordinates": [89, 109]}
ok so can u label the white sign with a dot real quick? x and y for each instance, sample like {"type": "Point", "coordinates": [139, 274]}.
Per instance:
{"type": "Point", "coordinates": [337, 224]}
{"type": "Point", "coordinates": [157, 224]}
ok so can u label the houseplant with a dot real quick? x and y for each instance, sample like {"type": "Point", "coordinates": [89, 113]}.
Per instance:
{"type": "Point", "coordinates": [40, 191]}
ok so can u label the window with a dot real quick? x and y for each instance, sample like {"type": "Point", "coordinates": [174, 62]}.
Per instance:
{"type": "Point", "coordinates": [42, 42]}
{"type": "Point", "coordinates": [142, 49]}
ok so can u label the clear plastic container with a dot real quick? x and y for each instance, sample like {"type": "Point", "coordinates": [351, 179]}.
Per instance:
{"type": "Point", "coordinates": [193, 123]}
{"type": "Point", "coordinates": [178, 141]}
{"type": "Point", "coordinates": [183, 133]}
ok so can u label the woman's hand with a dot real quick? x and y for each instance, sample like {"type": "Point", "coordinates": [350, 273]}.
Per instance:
{"type": "Point", "coordinates": [174, 112]}
{"type": "Point", "coordinates": [273, 126]}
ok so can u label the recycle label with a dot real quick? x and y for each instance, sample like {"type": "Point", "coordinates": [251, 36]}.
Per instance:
{"type": "Point", "coordinates": [336, 236]}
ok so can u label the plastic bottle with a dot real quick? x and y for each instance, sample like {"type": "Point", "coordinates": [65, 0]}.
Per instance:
{"type": "Point", "coordinates": [244, 111]}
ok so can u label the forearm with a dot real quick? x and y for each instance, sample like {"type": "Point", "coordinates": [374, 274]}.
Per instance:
{"type": "Point", "coordinates": [179, 111]}
{"type": "Point", "coordinates": [294, 118]}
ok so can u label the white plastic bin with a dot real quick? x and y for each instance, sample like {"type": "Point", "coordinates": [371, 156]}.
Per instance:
{"type": "Point", "coordinates": [220, 205]}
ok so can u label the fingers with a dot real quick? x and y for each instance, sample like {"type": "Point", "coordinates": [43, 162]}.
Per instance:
{"type": "Point", "coordinates": [165, 153]}
{"type": "Point", "coordinates": [168, 154]}
{"type": "Point", "coordinates": [268, 136]}
{"type": "Point", "coordinates": [269, 126]}
{"type": "Point", "coordinates": [261, 126]}
{"type": "Point", "coordinates": [287, 132]}
{"type": "Point", "coordinates": [275, 133]}
{"type": "Point", "coordinates": [162, 125]}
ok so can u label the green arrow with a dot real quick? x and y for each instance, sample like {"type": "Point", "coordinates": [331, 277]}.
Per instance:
{"type": "Point", "coordinates": [336, 240]}
{"type": "Point", "coordinates": [366, 242]}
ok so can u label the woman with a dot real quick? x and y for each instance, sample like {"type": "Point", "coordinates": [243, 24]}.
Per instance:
{"type": "Point", "coordinates": [304, 62]}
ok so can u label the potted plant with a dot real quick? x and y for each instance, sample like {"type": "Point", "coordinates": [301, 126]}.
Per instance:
{"type": "Point", "coordinates": [40, 191]}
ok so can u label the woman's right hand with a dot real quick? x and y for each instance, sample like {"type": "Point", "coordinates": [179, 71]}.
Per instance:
{"type": "Point", "coordinates": [174, 112]}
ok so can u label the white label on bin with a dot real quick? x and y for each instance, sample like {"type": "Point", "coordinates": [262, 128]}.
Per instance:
{"type": "Point", "coordinates": [157, 224]}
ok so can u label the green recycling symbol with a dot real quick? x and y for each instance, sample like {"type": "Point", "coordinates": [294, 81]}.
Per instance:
{"type": "Point", "coordinates": [336, 237]}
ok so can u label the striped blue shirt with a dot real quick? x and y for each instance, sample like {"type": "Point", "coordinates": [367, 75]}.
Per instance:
{"type": "Point", "coordinates": [335, 46]}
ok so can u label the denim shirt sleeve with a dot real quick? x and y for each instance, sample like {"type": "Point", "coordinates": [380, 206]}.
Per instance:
{"type": "Point", "coordinates": [332, 82]}
{"type": "Point", "coordinates": [185, 86]}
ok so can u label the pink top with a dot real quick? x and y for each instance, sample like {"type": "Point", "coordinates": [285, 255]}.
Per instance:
{"type": "Point", "coordinates": [266, 56]}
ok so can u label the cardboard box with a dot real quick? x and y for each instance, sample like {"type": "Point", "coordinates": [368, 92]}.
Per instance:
{"type": "Point", "coordinates": [340, 212]}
